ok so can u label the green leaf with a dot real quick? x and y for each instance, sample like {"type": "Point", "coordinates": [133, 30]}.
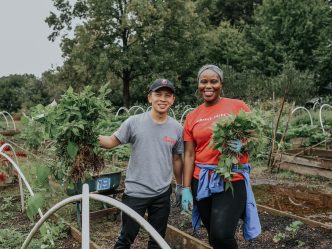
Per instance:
{"type": "Point", "coordinates": [42, 175]}
{"type": "Point", "coordinates": [72, 149]}
{"type": "Point", "coordinates": [34, 203]}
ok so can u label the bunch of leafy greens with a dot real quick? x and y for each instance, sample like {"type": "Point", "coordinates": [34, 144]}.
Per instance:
{"type": "Point", "coordinates": [72, 124]}
{"type": "Point", "coordinates": [248, 127]}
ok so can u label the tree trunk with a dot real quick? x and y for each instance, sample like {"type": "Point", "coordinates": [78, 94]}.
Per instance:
{"type": "Point", "coordinates": [125, 90]}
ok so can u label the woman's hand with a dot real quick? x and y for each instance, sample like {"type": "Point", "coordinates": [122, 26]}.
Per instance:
{"type": "Point", "coordinates": [187, 199]}
{"type": "Point", "coordinates": [235, 145]}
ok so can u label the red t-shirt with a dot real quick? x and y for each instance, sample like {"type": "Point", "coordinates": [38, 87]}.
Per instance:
{"type": "Point", "coordinates": [198, 128]}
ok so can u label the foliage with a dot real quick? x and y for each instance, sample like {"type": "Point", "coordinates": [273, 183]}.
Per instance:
{"type": "Point", "coordinates": [245, 84]}
{"type": "Point", "coordinates": [291, 81]}
{"type": "Point", "coordinates": [125, 40]}
{"type": "Point", "coordinates": [72, 125]}
{"type": "Point", "coordinates": [312, 132]}
{"type": "Point", "coordinates": [34, 133]}
{"type": "Point", "coordinates": [6, 206]}
{"type": "Point", "coordinates": [10, 92]}
{"type": "Point", "coordinates": [297, 31]}
{"type": "Point", "coordinates": [21, 92]}
{"type": "Point", "coordinates": [108, 127]}
{"type": "Point", "coordinates": [52, 232]}
{"type": "Point", "coordinates": [234, 11]}
{"type": "Point", "coordinates": [130, 43]}
{"type": "Point", "coordinates": [228, 47]}
{"type": "Point", "coordinates": [289, 233]}
{"type": "Point", "coordinates": [302, 130]}
{"type": "Point", "coordinates": [303, 118]}
{"type": "Point", "coordinates": [12, 238]}
{"type": "Point", "coordinates": [248, 127]}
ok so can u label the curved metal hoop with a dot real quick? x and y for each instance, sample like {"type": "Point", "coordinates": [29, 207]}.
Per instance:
{"type": "Point", "coordinates": [4, 116]}
{"type": "Point", "coordinates": [316, 104]}
{"type": "Point", "coordinates": [136, 108]}
{"type": "Point", "coordinates": [21, 175]}
{"type": "Point", "coordinates": [11, 117]}
{"type": "Point", "coordinates": [85, 196]}
{"type": "Point", "coordinates": [171, 110]}
{"type": "Point", "coordinates": [320, 117]}
{"type": "Point", "coordinates": [301, 107]}
{"type": "Point", "coordinates": [120, 109]}
{"type": "Point", "coordinates": [184, 113]}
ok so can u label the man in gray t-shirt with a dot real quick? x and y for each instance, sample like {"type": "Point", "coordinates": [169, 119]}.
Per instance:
{"type": "Point", "coordinates": [157, 145]}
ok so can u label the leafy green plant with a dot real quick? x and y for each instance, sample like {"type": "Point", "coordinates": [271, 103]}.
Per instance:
{"type": "Point", "coordinates": [11, 238]}
{"type": "Point", "coordinates": [108, 127]}
{"type": "Point", "coordinates": [52, 232]}
{"type": "Point", "coordinates": [303, 118]}
{"type": "Point", "coordinates": [6, 206]}
{"type": "Point", "coordinates": [313, 133]}
{"type": "Point", "coordinates": [34, 133]}
{"type": "Point", "coordinates": [72, 124]}
{"type": "Point", "coordinates": [289, 233]}
{"type": "Point", "coordinates": [247, 127]}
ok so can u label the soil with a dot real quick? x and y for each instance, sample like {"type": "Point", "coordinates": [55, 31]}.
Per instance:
{"type": "Point", "coordinates": [306, 236]}
{"type": "Point", "coordinates": [104, 231]}
{"type": "Point", "coordinates": [309, 236]}
{"type": "Point", "coordinates": [18, 221]}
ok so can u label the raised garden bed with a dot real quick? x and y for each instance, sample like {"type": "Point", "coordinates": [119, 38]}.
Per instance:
{"type": "Point", "coordinates": [315, 162]}
{"type": "Point", "coordinates": [9, 132]}
{"type": "Point", "coordinates": [15, 227]}
{"type": "Point", "coordinates": [105, 229]}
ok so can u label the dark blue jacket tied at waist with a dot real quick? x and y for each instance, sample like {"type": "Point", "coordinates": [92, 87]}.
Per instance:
{"type": "Point", "coordinates": [215, 184]}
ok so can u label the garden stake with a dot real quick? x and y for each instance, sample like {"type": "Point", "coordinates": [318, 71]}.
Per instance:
{"type": "Point", "coordinates": [282, 138]}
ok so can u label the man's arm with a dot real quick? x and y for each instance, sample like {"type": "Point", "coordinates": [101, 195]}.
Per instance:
{"type": "Point", "coordinates": [108, 142]}
{"type": "Point", "coordinates": [178, 168]}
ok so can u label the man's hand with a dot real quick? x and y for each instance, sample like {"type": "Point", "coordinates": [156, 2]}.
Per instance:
{"type": "Point", "coordinates": [178, 194]}
{"type": "Point", "coordinates": [187, 199]}
{"type": "Point", "coordinates": [235, 145]}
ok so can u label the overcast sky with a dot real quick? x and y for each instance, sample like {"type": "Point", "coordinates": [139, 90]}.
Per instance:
{"type": "Point", "coordinates": [24, 47]}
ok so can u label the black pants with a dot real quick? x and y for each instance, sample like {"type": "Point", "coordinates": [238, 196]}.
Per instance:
{"type": "Point", "coordinates": [220, 214]}
{"type": "Point", "coordinates": [158, 209]}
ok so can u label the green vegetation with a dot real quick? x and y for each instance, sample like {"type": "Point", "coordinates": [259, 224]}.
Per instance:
{"type": "Point", "coordinates": [289, 233]}
{"type": "Point", "coordinates": [72, 125]}
{"type": "Point", "coordinates": [248, 127]}
{"type": "Point", "coordinates": [263, 47]}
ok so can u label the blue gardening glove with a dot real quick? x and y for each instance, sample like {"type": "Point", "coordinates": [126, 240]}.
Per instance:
{"type": "Point", "coordinates": [235, 145]}
{"type": "Point", "coordinates": [187, 199]}
{"type": "Point", "coordinates": [178, 193]}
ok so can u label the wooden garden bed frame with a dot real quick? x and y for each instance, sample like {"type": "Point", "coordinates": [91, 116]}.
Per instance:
{"type": "Point", "coordinates": [316, 162]}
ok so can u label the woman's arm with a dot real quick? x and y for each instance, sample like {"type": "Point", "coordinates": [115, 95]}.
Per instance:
{"type": "Point", "coordinates": [189, 160]}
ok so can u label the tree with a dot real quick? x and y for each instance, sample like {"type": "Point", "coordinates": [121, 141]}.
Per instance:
{"type": "Point", "coordinates": [232, 11]}
{"type": "Point", "coordinates": [227, 45]}
{"type": "Point", "coordinates": [290, 30]}
{"type": "Point", "coordinates": [127, 39]}
{"type": "Point", "coordinates": [10, 86]}
{"type": "Point", "coordinates": [290, 82]}
{"type": "Point", "coordinates": [21, 92]}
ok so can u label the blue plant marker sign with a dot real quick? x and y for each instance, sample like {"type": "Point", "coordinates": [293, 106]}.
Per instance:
{"type": "Point", "coordinates": [103, 184]}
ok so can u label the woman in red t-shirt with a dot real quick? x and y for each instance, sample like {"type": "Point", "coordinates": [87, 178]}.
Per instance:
{"type": "Point", "coordinates": [220, 212]}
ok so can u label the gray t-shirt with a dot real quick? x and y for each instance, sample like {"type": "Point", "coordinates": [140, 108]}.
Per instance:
{"type": "Point", "coordinates": [150, 165]}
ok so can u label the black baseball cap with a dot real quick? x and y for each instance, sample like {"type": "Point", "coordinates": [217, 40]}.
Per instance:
{"type": "Point", "coordinates": [161, 83]}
